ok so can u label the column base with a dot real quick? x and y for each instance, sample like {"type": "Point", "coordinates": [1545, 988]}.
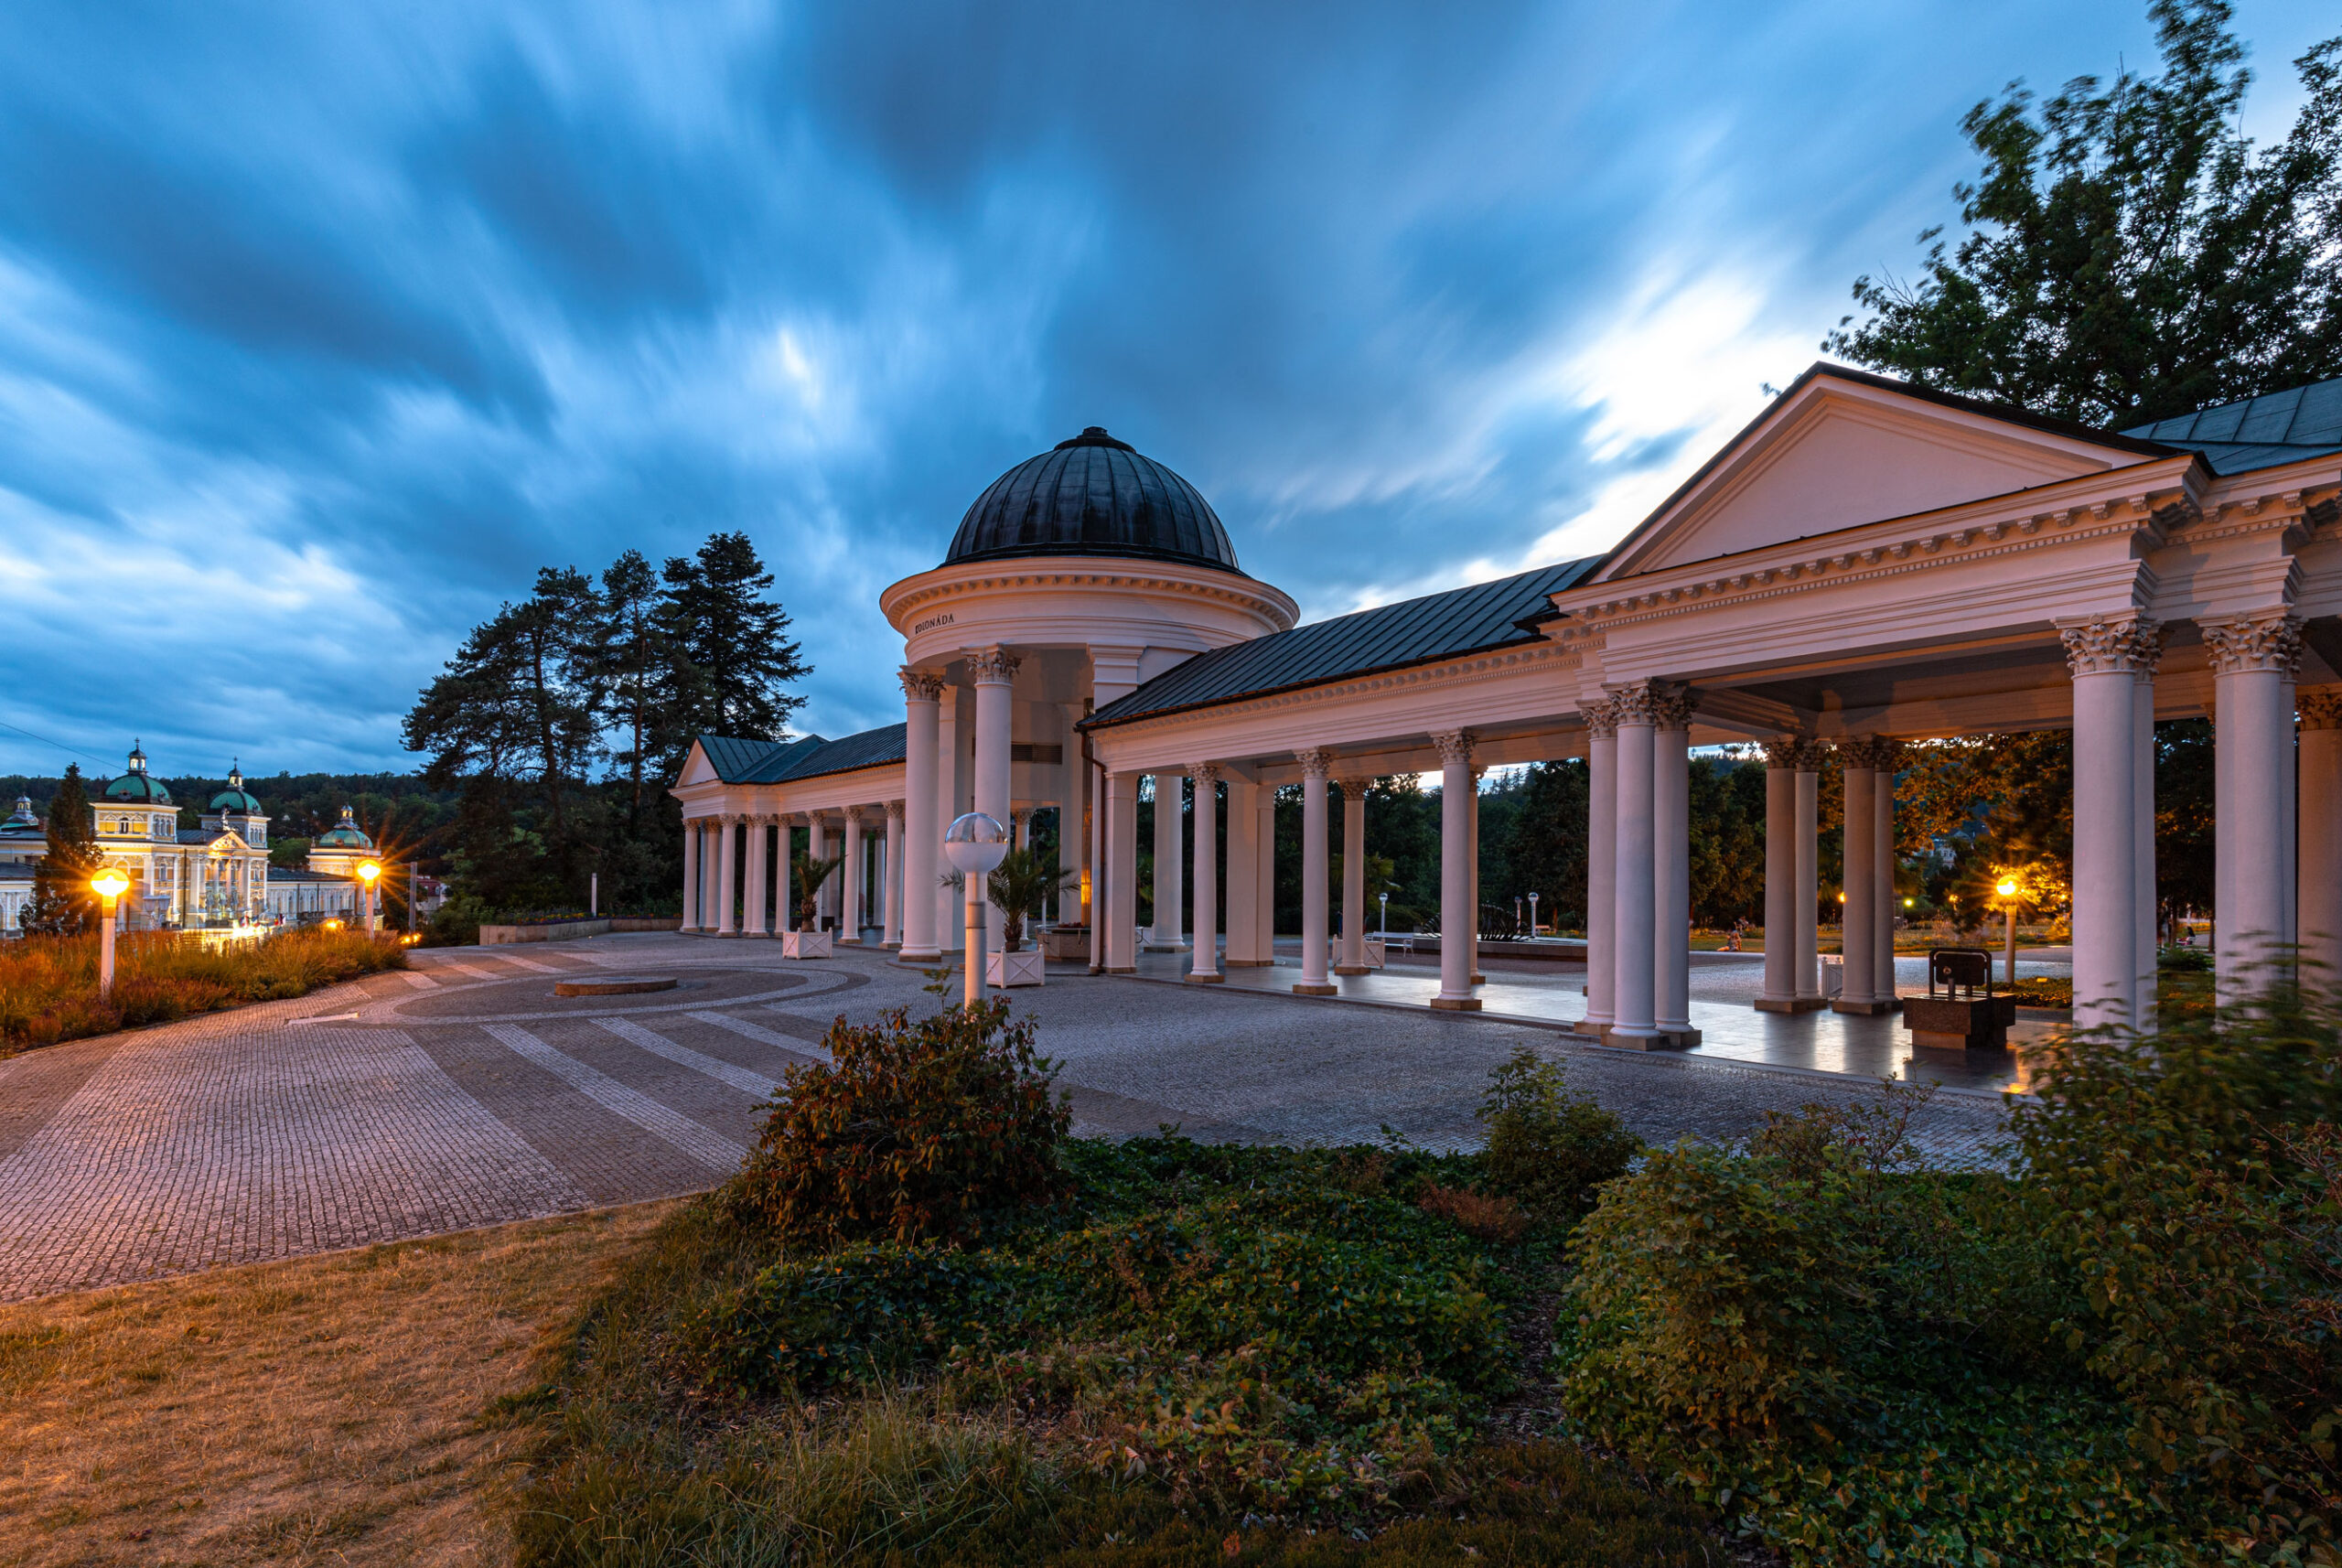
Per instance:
{"type": "Point", "coordinates": [919, 955]}
{"type": "Point", "coordinates": [1247, 963]}
{"type": "Point", "coordinates": [849, 941]}
{"type": "Point", "coordinates": [1457, 1004]}
{"type": "Point", "coordinates": [1353, 969]}
{"type": "Point", "coordinates": [890, 946]}
{"type": "Point", "coordinates": [1789, 1003]}
{"type": "Point", "coordinates": [1163, 947]}
{"type": "Point", "coordinates": [1478, 979]}
{"type": "Point", "coordinates": [1592, 1028]}
{"type": "Point", "coordinates": [1862, 1009]}
{"type": "Point", "coordinates": [1309, 988]}
{"type": "Point", "coordinates": [1121, 969]}
{"type": "Point", "coordinates": [1666, 1037]}
{"type": "Point", "coordinates": [727, 933]}
{"type": "Point", "coordinates": [1206, 979]}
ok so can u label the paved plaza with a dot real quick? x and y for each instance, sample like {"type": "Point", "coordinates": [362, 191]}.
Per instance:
{"type": "Point", "coordinates": [466, 1092]}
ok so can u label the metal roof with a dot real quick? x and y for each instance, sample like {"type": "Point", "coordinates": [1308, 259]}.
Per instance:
{"type": "Point", "coordinates": [2259, 432]}
{"type": "Point", "coordinates": [1092, 496]}
{"type": "Point", "coordinates": [1413, 631]}
{"type": "Point", "coordinates": [809, 757]}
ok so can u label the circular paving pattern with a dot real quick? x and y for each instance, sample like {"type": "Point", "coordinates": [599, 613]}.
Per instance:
{"type": "Point", "coordinates": [614, 985]}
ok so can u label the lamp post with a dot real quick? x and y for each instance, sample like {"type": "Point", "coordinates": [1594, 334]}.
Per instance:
{"type": "Point", "coordinates": [368, 871]}
{"type": "Point", "coordinates": [1532, 917]}
{"type": "Point", "coordinates": [2007, 888]}
{"type": "Point", "coordinates": [974, 844]}
{"type": "Point", "coordinates": [1385, 920]}
{"type": "Point", "coordinates": [109, 885]}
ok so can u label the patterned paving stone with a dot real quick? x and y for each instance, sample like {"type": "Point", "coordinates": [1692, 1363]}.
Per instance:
{"type": "Point", "coordinates": [465, 1093]}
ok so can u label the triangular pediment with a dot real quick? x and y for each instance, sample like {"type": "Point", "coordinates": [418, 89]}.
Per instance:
{"type": "Point", "coordinates": [1839, 449]}
{"type": "Point", "coordinates": [697, 769]}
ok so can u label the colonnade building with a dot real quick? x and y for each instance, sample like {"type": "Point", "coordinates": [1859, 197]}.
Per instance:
{"type": "Point", "coordinates": [1866, 566]}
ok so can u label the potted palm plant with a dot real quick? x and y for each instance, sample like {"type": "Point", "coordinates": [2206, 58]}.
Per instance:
{"type": "Point", "coordinates": [804, 941]}
{"type": "Point", "coordinates": [1020, 885]}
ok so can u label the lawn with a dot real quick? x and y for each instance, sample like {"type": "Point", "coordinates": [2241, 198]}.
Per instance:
{"type": "Point", "coordinates": [359, 1407]}
{"type": "Point", "coordinates": [48, 986]}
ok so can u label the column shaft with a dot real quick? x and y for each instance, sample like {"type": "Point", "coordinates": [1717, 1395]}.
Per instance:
{"type": "Point", "coordinates": [922, 704]}
{"type": "Point", "coordinates": [1122, 873]}
{"type": "Point", "coordinates": [1633, 990]}
{"type": "Point", "coordinates": [2319, 844]}
{"type": "Point", "coordinates": [1809, 877]}
{"type": "Point", "coordinates": [1457, 916]}
{"type": "Point", "coordinates": [692, 836]}
{"type": "Point", "coordinates": [1164, 934]}
{"type": "Point", "coordinates": [897, 814]}
{"type": "Point", "coordinates": [1353, 959]}
{"type": "Point", "coordinates": [850, 875]}
{"type": "Point", "coordinates": [1472, 860]}
{"type": "Point", "coordinates": [2106, 852]}
{"type": "Point", "coordinates": [1601, 866]}
{"type": "Point", "coordinates": [1312, 878]}
{"type": "Point", "coordinates": [727, 884]}
{"type": "Point", "coordinates": [1857, 926]}
{"type": "Point", "coordinates": [1671, 868]}
{"type": "Point", "coordinates": [760, 889]}
{"type": "Point", "coordinates": [1884, 902]}
{"type": "Point", "coordinates": [1779, 994]}
{"type": "Point", "coordinates": [2146, 937]}
{"type": "Point", "coordinates": [1206, 967]}
{"type": "Point", "coordinates": [1245, 944]}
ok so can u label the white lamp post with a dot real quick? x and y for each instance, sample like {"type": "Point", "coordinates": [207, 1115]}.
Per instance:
{"type": "Point", "coordinates": [2007, 888]}
{"type": "Point", "coordinates": [1385, 921]}
{"type": "Point", "coordinates": [367, 872]}
{"type": "Point", "coordinates": [1532, 917]}
{"type": "Point", "coordinates": [974, 844]}
{"type": "Point", "coordinates": [108, 884]}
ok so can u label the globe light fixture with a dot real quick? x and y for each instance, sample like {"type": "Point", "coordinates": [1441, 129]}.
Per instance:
{"type": "Point", "coordinates": [369, 872]}
{"type": "Point", "coordinates": [2007, 888]}
{"type": "Point", "coordinates": [109, 885]}
{"type": "Point", "coordinates": [974, 844]}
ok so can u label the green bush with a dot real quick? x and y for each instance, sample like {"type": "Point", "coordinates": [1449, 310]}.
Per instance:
{"type": "Point", "coordinates": [933, 1129]}
{"type": "Point", "coordinates": [1547, 1149]}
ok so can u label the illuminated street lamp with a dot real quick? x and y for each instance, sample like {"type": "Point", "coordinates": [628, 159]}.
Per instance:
{"type": "Point", "coordinates": [368, 872]}
{"type": "Point", "coordinates": [2007, 888]}
{"type": "Point", "coordinates": [109, 885]}
{"type": "Point", "coordinates": [974, 844]}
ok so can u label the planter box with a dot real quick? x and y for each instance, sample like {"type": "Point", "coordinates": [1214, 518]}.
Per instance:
{"type": "Point", "coordinates": [1980, 1024]}
{"type": "Point", "coordinates": [1007, 969]}
{"type": "Point", "coordinates": [1067, 944]}
{"type": "Point", "coordinates": [805, 944]}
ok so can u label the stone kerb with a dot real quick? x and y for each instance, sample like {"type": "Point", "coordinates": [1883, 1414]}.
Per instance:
{"type": "Point", "coordinates": [569, 931]}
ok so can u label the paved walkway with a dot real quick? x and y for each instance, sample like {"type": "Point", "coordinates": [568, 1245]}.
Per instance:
{"type": "Point", "coordinates": [465, 1093]}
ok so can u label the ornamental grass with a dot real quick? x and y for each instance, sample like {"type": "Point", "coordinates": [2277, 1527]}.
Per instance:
{"type": "Point", "coordinates": [48, 986]}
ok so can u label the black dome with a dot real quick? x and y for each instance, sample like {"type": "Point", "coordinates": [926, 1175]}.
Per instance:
{"type": "Point", "coordinates": [1092, 496]}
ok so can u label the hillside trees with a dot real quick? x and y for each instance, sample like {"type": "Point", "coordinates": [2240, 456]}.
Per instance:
{"type": "Point", "coordinates": [560, 717]}
{"type": "Point", "coordinates": [62, 903]}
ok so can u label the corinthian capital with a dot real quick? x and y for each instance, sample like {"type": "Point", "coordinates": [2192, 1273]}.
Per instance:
{"type": "Point", "coordinates": [2105, 645]}
{"type": "Point", "coordinates": [1601, 718]}
{"type": "Point", "coordinates": [1673, 706]}
{"type": "Point", "coordinates": [1455, 746]}
{"type": "Point", "coordinates": [2272, 640]}
{"type": "Point", "coordinates": [1871, 751]}
{"type": "Point", "coordinates": [1205, 774]}
{"type": "Point", "coordinates": [991, 666]}
{"type": "Point", "coordinates": [2320, 707]}
{"type": "Point", "coordinates": [921, 685]}
{"type": "Point", "coordinates": [1316, 763]}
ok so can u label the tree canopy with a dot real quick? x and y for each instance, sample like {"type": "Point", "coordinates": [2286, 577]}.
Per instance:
{"type": "Point", "coordinates": [2130, 253]}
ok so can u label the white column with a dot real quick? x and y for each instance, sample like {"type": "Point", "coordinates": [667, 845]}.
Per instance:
{"type": "Point", "coordinates": [2101, 653]}
{"type": "Point", "coordinates": [692, 836]}
{"type": "Point", "coordinates": [1073, 822]}
{"type": "Point", "coordinates": [2255, 659]}
{"type": "Point", "coordinates": [1205, 970]}
{"type": "Point", "coordinates": [1635, 992]}
{"type": "Point", "coordinates": [1314, 766]}
{"type": "Point", "coordinates": [895, 811]}
{"type": "Point", "coordinates": [2146, 939]}
{"type": "Point", "coordinates": [1353, 959]}
{"type": "Point", "coordinates": [727, 882]}
{"type": "Point", "coordinates": [1809, 874]}
{"type": "Point", "coordinates": [760, 889]}
{"type": "Point", "coordinates": [1887, 755]}
{"type": "Point", "coordinates": [1122, 873]}
{"type": "Point", "coordinates": [1170, 835]}
{"type": "Point", "coordinates": [1601, 866]}
{"type": "Point", "coordinates": [1781, 993]}
{"type": "Point", "coordinates": [1672, 865]}
{"type": "Point", "coordinates": [1858, 921]}
{"type": "Point", "coordinates": [1264, 869]}
{"type": "Point", "coordinates": [2319, 841]}
{"type": "Point", "coordinates": [850, 880]}
{"type": "Point", "coordinates": [1246, 945]}
{"type": "Point", "coordinates": [1457, 916]}
{"type": "Point", "coordinates": [817, 848]}
{"type": "Point", "coordinates": [993, 672]}
{"type": "Point", "coordinates": [922, 698]}
{"type": "Point", "coordinates": [1472, 860]}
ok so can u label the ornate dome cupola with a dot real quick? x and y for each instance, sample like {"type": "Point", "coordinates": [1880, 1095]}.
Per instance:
{"type": "Point", "coordinates": [136, 786]}
{"type": "Point", "coordinates": [22, 837]}
{"type": "Point", "coordinates": [1092, 496]}
{"type": "Point", "coordinates": [345, 834]}
{"type": "Point", "coordinates": [237, 808]}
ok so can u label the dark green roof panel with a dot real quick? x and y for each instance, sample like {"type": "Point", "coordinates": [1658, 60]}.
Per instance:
{"type": "Point", "coordinates": [1413, 631]}
{"type": "Point", "coordinates": [809, 757]}
{"type": "Point", "coordinates": [2258, 432]}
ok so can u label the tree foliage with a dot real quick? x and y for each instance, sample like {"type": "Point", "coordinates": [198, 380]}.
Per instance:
{"type": "Point", "coordinates": [62, 903]}
{"type": "Point", "coordinates": [2130, 254]}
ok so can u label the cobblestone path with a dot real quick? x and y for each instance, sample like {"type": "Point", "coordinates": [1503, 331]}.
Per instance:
{"type": "Point", "coordinates": [465, 1093]}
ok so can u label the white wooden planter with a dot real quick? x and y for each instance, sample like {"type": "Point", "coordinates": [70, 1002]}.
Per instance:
{"type": "Point", "coordinates": [1006, 968]}
{"type": "Point", "coordinates": [804, 944]}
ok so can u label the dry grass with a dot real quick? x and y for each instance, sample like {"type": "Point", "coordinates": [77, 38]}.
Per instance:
{"type": "Point", "coordinates": [48, 986]}
{"type": "Point", "coordinates": [323, 1410]}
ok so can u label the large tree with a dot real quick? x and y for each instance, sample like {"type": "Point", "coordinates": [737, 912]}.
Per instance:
{"type": "Point", "coordinates": [733, 658]}
{"type": "Point", "coordinates": [2130, 253]}
{"type": "Point", "coordinates": [62, 903]}
{"type": "Point", "coordinates": [632, 655]}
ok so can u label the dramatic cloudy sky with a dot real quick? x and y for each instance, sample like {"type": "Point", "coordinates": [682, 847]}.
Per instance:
{"type": "Point", "coordinates": [323, 326]}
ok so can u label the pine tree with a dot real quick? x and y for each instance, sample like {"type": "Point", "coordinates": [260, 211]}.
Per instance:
{"type": "Point", "coordinates": [62, 903]}
{"type": "Point", "coordinates": [632, 653]}
{"type": "Point", "coordinates": [734, 657]}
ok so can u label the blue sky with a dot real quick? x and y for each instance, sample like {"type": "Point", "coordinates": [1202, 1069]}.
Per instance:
{"type": "Point", "coordinates": [321, 328]}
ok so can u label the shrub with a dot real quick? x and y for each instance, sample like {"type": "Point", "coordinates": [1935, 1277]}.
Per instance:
{"type": "Point", "coordinates": [912, 1131]}
{"type": "Point", "coordinates": [1491, 1218]}
{"type": "Point", "coordinates": [1548, 1149]}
